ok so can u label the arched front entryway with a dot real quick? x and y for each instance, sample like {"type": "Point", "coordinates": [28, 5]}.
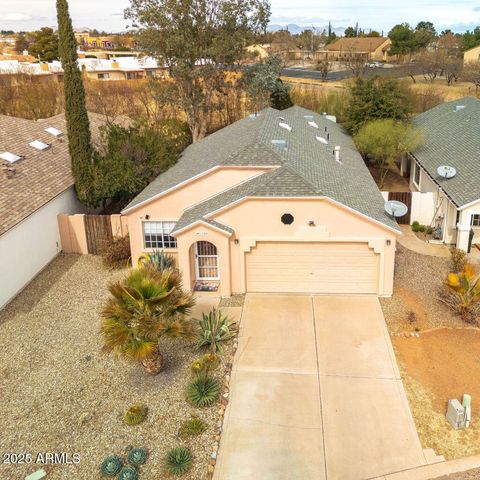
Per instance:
{"type": "Point", "coordinates": [206, 261]}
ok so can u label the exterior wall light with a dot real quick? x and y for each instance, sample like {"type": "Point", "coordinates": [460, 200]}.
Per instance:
{"type": "Point", "coordinates": [311, 223]}
{"type": "Point", "coordinates": [388, 243]}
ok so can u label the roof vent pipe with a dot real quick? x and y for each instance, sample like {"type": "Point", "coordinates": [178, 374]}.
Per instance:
{"type": "Point", "coordinates": [336, 152]}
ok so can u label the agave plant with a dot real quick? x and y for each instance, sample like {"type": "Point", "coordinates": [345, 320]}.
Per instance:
{"type": "Point", "coordinates": [465, 290]}
{"type": "Point", "coordinates": [213, 329]}
{"type": "Point", "coordinates": [203, 391]}
{"type": "Point", "coordinates": [178, 460]}
{"type": "Point", "coordinates": [142, 308]}
{"type": "Point", "coordinates": [111, 466]}
{"type": "Point", "coordinates": [158, 259]}
{"type": "Point", "coordinates": [128, 473]}
{"type": "Point", "coordinates": [137, 456]}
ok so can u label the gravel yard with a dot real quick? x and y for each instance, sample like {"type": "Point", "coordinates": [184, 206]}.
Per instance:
{"type": "Point", "coordinates": [415, 303]}
{"type": "Point", "coordinates": [61, 394]}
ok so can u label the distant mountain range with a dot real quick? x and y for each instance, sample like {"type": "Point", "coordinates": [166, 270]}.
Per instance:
{"type": "Point", "coordinates": [295, 29]}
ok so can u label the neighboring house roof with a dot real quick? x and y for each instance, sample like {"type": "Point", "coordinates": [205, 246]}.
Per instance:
{"type": "Point", "coordinates": [40, 175]}
{"type": "Point", "coordinates": [472, 49]}
{"type": "Point", "coordinates": [307, 166]}
{"type": "Point", "coordinates": [357, 44]}
{"type": "Point", "coordinates": [451, 136]}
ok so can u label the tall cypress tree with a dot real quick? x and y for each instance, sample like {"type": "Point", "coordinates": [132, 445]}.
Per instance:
{"type": "Point", "coordinates": [78, 127]}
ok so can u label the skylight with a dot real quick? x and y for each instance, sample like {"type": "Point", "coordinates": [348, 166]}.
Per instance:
{"type": "Point", "coordinates": [322, 140]}
{"type": "Point", "coordinates": [37, 144]}
{"type": "Point", "coordinates": [313, 124]}
{"type": "Point", "coordinates": [280, 144]}
{"type": "Point", "coordinates": [10, 157]}
{"type": "Point", "coordinates": [308, 117]}
{"type": "Point", "coordinates": [286, 126]}
{"type": "Point", "coordinates": [54, 131]}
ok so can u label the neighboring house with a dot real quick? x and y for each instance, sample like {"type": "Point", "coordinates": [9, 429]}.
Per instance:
{"type": "Point", "coordinates": [366, 48]}
{"type": "Point", "coordinates": [280, 201]}
{"type": "Point", "coordinates": [121, 68]}
{"type": "Point", "coordinates": [108, 42]}
{"type": "Point", "coordinates": [260, 51]}
{"type": "Point", "coordinates": [36, 184]}
{"type": "Point", "coordinates": [472, 55]}
{"type": "Point", "coordinates": [451, 138]}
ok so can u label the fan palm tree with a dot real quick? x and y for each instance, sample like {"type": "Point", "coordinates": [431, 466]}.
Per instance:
{"type": "Point", "coordinates": [143, 307]}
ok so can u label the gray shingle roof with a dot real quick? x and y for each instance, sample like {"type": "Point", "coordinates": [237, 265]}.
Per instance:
{"type": "Point", "coordinates": [452, 138]}
{"type": "Point", "coordinates": [307, 166]}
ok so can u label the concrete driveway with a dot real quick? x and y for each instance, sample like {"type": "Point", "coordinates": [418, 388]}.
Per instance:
{"type": "Point", "coordinates": [315, 394]}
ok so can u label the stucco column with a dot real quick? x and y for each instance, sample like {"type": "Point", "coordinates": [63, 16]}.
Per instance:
{"type": "Point", "coordinates": [223, 248]}
{"type": "Point", "coordinates": [183, 259]}
{"type": "Point", "coordinates": [463, 235]}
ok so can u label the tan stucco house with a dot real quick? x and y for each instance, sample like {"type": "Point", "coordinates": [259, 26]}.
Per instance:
{"type": "Point", "coordinates": [366, 48]}
{"type": "Point", "coordinates": [280, 201]}
{"type": "Point", "coordinates": [472, 55]}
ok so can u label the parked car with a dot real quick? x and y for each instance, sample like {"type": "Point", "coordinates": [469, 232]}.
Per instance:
{"type": "Point", "coordinates": [374, 64]}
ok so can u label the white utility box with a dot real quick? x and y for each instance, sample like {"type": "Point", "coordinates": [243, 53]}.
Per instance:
{"type": "Point", "coordinates": [456, 414]}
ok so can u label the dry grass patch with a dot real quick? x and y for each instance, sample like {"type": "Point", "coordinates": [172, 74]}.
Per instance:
{"type": "Point", "coordinates": [439, 365]}
{"type": "Point", "coordinates": [452, 92]}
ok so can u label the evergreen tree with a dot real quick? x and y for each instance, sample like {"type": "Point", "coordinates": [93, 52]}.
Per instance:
{"type": "Point", "coordinates": [78, 128]}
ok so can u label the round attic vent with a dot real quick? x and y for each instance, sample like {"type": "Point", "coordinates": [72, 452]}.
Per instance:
{"type": "Point", "coordinates": [287, 219]}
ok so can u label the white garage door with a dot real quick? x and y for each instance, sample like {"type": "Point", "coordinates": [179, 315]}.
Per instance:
{"type": "Point", "coordinates": [301, 267]}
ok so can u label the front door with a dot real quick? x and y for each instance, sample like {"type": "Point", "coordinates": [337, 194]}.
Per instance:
{"type": "Point", "coordinates": [206, 261]}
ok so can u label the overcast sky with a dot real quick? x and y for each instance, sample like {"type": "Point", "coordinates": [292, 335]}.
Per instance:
{"type": "Point", "coordinates": [458, 15]}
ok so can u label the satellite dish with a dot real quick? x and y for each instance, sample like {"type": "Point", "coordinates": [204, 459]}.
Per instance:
{"type": "Point", "coordinates": [395, 208]}
{"type": "Point", "coordinates": [446, 172]}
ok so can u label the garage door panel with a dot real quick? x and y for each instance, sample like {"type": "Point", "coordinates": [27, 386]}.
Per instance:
{"type": "Point", "coordinates": [312, 267]}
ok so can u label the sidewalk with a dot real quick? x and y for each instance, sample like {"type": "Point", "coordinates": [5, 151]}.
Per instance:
{"type": "Point", "coordinates": [409, 240]}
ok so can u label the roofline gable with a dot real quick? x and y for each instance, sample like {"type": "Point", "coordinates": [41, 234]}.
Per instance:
{"type": "Point", "coordinates": [195, 178]}
{"type": "Point", "coordinates": [320, 197]}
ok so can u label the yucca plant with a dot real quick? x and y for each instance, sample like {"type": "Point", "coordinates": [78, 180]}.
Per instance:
{"type": "Point", "coordinates": [464, 288]}
{"type": "Point", "coordinates": [213, 329]}
{"type": "Point", "coordinates": [142, 308]}
{"type": "Point", "coordinates": [179, 460]}
{"type": "Point", "coordinates": [157, 259]}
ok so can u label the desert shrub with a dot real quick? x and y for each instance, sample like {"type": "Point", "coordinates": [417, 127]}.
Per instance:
{"type": "Point", "coordinates": [178, 460]}
{"type": "Point", "coordinates": [137, 456]}
{"type": "Point", "coordinates": [193, 426]}
{"type": "Point", "coordinates": [416, 228]}
{"type": "Point", "coordinates": [111, 466]}
{"type": "Point", "coordinates": [203, 391]}
{"type": "Point", "coordinates": [429, 230]}
{"type": "Point", "coordinates": [463, 293]}
{"type": "Point", "coordinates": [415, 223]}
{"type": "Point", "coordinates": [205, 364]}
{"type": "Point", "coordinates": [213, 329]}
{"type": "Point", "coordinates": [334, 102]}
{"type": "Point", "coordinates": [116, 253]}
{"type": "Point", "coordinates": [412, 317]}
{"type": "Point", "coordinates": [135, 414]}
{"type": "Point", "coordinates": [421, 228]}
{"type": "Point", "coordinates": [458, 258]}
{"type": "Point", "coordinates": [128, 473]}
